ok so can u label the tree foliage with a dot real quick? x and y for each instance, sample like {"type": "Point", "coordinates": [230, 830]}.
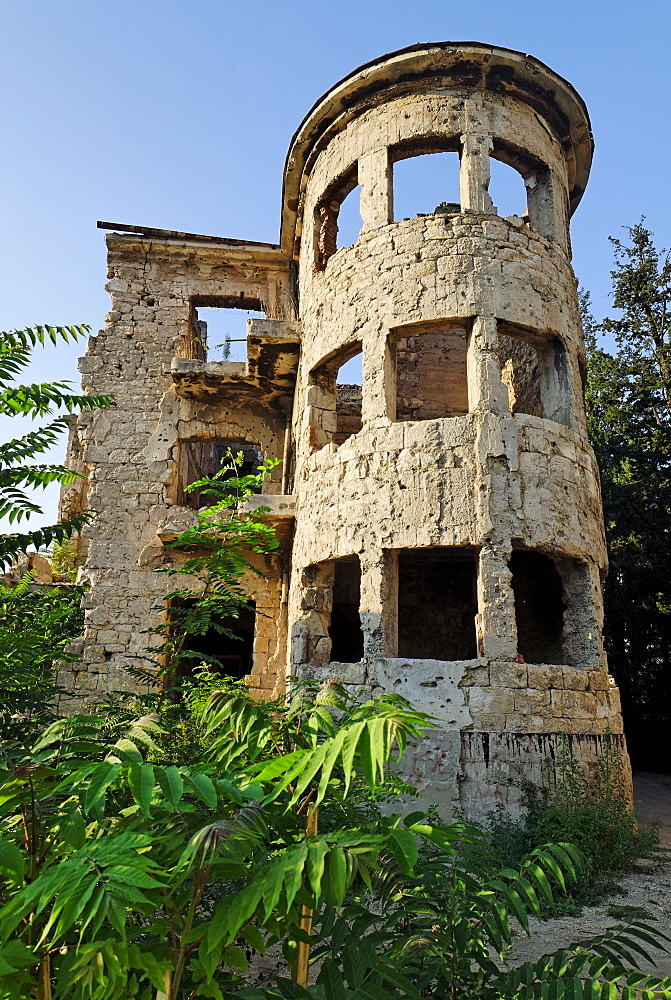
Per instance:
{"type": "Point", "coordinates": [35, 625]}
{"type": "Point", "coordinates": [124, 875]}
{"type": "Point", "coordinates": [19, 472]}
{"type": "Point", "coordinates": [629, 417]}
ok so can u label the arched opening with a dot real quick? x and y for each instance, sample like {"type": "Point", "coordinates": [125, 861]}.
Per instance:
{"type": "Point", "coordinates": [349, 219]}
{"type": "Point", "coordinates": [334, 397]}
{"type": "Point", "coordinates": [337, 220]}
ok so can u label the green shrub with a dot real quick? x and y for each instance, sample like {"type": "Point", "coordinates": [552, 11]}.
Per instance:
{"type": "Point", "coordinates": [592, 811]}
{"type": "Point", "coordinates": [125, 878]}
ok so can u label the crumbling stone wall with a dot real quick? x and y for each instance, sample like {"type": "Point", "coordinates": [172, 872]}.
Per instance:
{"type": "Point", "coordinates": [467, 436]}
{"type": "Point", "coordinates": [131, 450]}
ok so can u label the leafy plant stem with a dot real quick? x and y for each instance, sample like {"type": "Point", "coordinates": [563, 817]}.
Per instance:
{"type": "Point", "coordinates": [44, 986]}
{"type": "Point", "coordinates": [303, 952]}
{"type": "Point", "coordinates": [199, 882]}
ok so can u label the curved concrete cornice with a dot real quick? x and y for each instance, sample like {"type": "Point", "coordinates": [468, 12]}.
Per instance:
{"type": "Point", "coordinates": [459, 64]}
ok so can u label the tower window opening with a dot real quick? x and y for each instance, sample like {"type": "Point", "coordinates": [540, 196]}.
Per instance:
{"type": "Point", "coordinates": [337, 221]}
{"type": "Point", "coordinates": [431, 371]}
{"type": "Point", "coordinates": [218, 328]}
{"type": "Point", "coordinates": [534, 369]}
{"type": "Point", "coordinates": [199, 459]}
{"type": "Point", "coordinates": [539, 607]}
{"type": "Point", "coordinates": [426, 184]}
{"type": "Point", "coordinates": [437, 603]}
{"type": "Point", "coordinates": [349, 219]}
{"type": "Point", "coordinates": [507, 189]}
{"type": "Point", "coordinates": [226, 655]}
{"type": "Point", "coordinates": [345, 629]}
{"type": "Point", "coordinates": [349, 381]}
{"type": "Point", "coordinates": [335, 397]}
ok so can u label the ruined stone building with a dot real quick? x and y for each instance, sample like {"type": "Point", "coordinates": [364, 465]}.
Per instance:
{"type": "Point", "coordinates": [441, 526]}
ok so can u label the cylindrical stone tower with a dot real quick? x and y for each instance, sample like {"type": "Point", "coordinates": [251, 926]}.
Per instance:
{"type": "Point", "coordinates": [449, 541]}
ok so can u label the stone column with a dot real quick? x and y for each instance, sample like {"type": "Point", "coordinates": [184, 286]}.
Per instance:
{"type": "Point", "coordinates": [378, 400]}
{"type": "Point", "coordinates": [497, 632]}
{"type": "Point", "coordinates": [547, 205]}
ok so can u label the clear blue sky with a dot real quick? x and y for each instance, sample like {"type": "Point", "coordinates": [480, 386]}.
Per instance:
{"type": "Point", "coordinates": [178, 115]}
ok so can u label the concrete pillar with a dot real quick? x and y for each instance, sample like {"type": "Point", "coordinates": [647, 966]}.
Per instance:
{"type": "Point", "coordinates": [474, 173]}
{"type": "Point", "coordinates": [486, 391]}
{"type": "Point", "coordinates": [378, 400]}
{"type": "Point", "coordinates": [497, 631]}
{"type": "Point", "coordinates": [379, 598]}
{"type": "Point", "coordinates": [375, 178]}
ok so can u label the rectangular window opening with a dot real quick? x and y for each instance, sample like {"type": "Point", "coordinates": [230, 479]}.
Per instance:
{"type": "Point", "coordinates": [426, 184]}
{"type": "Point", "coordinates": [539, 607]}
{"type": "Point", "coordinates": [507, 190]}
{"type": "Point", "coordinates": [224, 655]}
{"type": "Point", "coordinates": [345, 630]}
{"type": "Point", "coordinates": [431, 370]}
{"type": "Point", "coordinates": [534, 369]}
{"type": "Point", "coordinates": [198, 459]}
{"type": "Point", "coordinates": [437, 603]}
{"type": "Point", "coordinates": [218, 327]}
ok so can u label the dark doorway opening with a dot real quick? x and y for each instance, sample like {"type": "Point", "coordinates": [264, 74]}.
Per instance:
{"type": "Point", "coordinates": [345, 628]}
{"type": "Point", "coordinates": [539, 607]}
{"type": "Point", "coordinates": [224, 655]}
{"type": "Point", "coordinates": [437, 603]}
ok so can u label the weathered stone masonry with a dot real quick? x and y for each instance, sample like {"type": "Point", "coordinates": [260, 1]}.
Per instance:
{"type": "Point", "coordinates": [441, 525]}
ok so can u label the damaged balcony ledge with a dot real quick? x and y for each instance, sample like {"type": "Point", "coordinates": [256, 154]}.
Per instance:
{"type": "Point", "coordinates": [281, 506]}
{"type": "Point", "coordinates": [281, 511]}
{"type": "Point", "coordinates": [273, 350]}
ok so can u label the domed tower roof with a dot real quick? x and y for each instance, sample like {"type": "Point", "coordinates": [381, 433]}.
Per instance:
{"type": "Point", "coordinates": [471, 65]}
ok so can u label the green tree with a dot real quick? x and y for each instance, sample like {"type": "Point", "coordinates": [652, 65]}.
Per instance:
{"type": "Point", "coordinates": [218, 548]}
{"type": "Point", "coordinates": [628, 398]}
{"type": "Point", "coordinates": [36, 622]}
{"type": "Point", "coordinates": [19, 472]}
{"type": "Point", "coordinates": [123, 876]}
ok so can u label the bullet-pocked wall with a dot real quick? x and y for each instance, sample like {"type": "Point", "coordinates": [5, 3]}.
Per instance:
{"type": "Point", "coordinates": [441, 526]}
{"type": "Point", "coordinates": [470, 494]}
{"type": "Point", "coordinates": [174, 417]}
